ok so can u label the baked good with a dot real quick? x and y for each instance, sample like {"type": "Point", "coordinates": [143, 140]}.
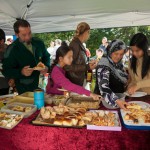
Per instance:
{"type": "Point", "coordinates": [39, 66]}
{"type": "Point", "coordinates": [27, 109]}
{"type": "Point", "coordinates": [133, 106]}
{"type": "Point", "coordinates": [18, 108]}
{"type": "Point", "coordinates": [58, 121]}
{"type": "Point", "coordinates": [67, 122]}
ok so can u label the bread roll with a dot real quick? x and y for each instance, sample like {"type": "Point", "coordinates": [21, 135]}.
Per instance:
{"type": "Point", "coordinates": [67, 122]}
{"type": "Point", "coordinates": [58, 121]}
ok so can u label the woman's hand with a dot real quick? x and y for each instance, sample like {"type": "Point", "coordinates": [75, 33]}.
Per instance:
{"type": "Point", "coordinates": [122, 104]}
{"type": "Point", "coordinates": [95, 96]}
{"type": "Point", "coordinates": [93, 64]}
{"type": "Point", "coordinates": [132, 89]}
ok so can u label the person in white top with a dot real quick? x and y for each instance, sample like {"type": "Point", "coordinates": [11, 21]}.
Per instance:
{"type": "Point", "coordinates": [57, 45]}
{"type": "Point", "coordinates": [51, 48]}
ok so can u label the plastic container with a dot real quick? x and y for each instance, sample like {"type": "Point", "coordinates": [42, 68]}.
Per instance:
{"type": "Point", "coordinates": [12, 117]}
{"type": "Point", "coordinates": [27, 97]}
{"type": "Point", "coordinates": [82, 101]}
{"type": "Point", "coordinates": [116, 127]}
{"type": "Point", "coordinates": [8, 107]}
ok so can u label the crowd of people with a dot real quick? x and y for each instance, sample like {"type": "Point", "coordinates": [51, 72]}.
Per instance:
{"type": "Point", "coordinates": [119, 68]}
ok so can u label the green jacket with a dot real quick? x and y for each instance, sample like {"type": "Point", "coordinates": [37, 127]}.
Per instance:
{"type": "Point", "coordinates": [18, 56]}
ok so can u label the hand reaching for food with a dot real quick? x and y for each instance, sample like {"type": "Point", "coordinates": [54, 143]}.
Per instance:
{"type": "Point", "coordinates": [95, 96]}
{"type": "Point", "coordinates": [132, 89]}
{"type": "Point", "coordinates": [122, 104]}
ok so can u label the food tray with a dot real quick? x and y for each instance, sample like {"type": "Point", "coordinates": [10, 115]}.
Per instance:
{"type": "Point", "coordinates": [6, 98]}
{"type": "Point", "coordinates": [116, 127]}
{"type": "Point", "coordinates": [1, 118]}
{"type": "Point", "coordinates": [82, 101]}
{"type": "Point", "coordinates": [27, 97]}
{"type": "Point", "coordinates": [129, 123]}
{"type": "Point", "coordinates": [25, 114]}
{"type": "Point", "coordinates": [57, 99]}
{"type": "Point", "coordinates": [36, 121]}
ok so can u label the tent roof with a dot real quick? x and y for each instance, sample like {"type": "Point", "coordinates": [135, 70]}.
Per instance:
{"type": "Point", "coordinates": [64, 15]}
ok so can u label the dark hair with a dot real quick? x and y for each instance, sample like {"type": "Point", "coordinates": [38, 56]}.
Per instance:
{"type": "Point", "coordinates": [20, 23]}
{"type": "Point", "coordinates": [140, 40]}
{"type": "Point", "coordinates": [61, 52]}
{"type": "Point", "coordinates": [100, 50]}
{"type": "Point", "coordinates": [2, 35]}
{"type": "Point", "coordinates": [115, 45]}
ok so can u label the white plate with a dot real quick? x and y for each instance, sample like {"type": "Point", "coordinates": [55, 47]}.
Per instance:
{"type": "Point", "coordinates": [136, 94]}
{"type": "Point", "coordinates": [144, 105]}
{"type": "Point", "coordinates": [39, 68]}
{"type": "Point", "coordinates": [63, 90]}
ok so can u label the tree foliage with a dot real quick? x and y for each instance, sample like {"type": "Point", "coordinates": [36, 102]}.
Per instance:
{"type": "Point", "coordinates": [96, 35]}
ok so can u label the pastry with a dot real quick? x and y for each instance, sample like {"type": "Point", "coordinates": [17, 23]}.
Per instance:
{"type": "Point", "coordinates": [18, 108]}
{"type": "Point", "coordinates": [133, 106]}
{"type": "Point", "coordinates": [67, 122]}
{"type": "Point", "coordinates": [39, 66]}
{"type": "Point", "coordinates": [27, 109]}
{"type": "Point", "coordinates": [58, 121]}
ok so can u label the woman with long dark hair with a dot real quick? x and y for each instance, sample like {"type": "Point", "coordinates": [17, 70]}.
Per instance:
{"type": "Point", "coordinates": [64, 56]}
{"type": "Point", "coordinates": [139, 66]}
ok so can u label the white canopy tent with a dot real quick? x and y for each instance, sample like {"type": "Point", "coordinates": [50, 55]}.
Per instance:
{"type": "Point", "coordinates": [64, 15]}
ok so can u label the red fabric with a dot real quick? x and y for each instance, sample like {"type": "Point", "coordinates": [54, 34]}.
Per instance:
{"type": "Point", "coordinates": [28, 137]}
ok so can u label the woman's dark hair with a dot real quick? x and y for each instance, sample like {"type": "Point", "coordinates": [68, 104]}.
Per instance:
{"type": "Point", "coordinates": [2, 35]}
{"type": "Point", "coordinates": [140, 40]}
{"type": "Point", "coordinates": [20, 23]}
{"type": "Point", "coordinates": [115, 45]}
{"type": "Point", "coordinates": [61, 52]}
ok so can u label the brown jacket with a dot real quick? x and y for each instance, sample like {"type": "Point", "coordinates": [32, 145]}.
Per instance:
{"type": "Point", "coordinates": [77, 71]}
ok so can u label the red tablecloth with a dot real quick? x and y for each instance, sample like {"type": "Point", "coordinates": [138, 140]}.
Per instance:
{"type": "Point", "coordinates": [28, 137]}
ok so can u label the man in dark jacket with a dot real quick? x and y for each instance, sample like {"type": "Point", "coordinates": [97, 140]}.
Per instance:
{"type": "Point", "coordinates": [22, 56]}
{"type": "Point", "coordinates": [4, 88]}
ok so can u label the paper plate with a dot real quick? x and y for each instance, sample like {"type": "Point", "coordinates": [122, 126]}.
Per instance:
{"type": "Point", "coordinates": [136, 94]}
{"type": "Point", "coordinates": [143, 105]}
{"type": "Point", "coordinates": [39, 68]}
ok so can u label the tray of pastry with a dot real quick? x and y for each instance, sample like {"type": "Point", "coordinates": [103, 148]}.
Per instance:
{"type": "Point", "coordinates": [57, 99]}
{"type": "Point", "coordinates": [82, 101]}
{"type": "Point", "coordinates": [103, 120]}
{"type": "Point", "coordinates": [137, 115]}
{"type": "Point", "coordinates": [60, 116]}
{"type": "Point", "coordinates": [9, 120]}
{"type": "Point", "coordinates": [7, 98]}
{"type": "Point", "coordinates": [20, 108]}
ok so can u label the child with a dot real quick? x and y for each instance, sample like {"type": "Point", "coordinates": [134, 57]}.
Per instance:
{"type": "Point", "coordinates": [64, 56]}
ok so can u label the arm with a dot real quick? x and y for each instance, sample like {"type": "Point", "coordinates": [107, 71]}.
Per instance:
{"type": "Point", "coordinates": [143, 83]}
{"type": "Point", "coordinates": [103, 84]}
{"type": "Point", "coordinates": [60, 79]}
{"type": "Point", "coordinates": [131, 80]}
{"type": "Point", "coordinates": [10, 69]}
{"type": "Point", "coordinates": [76, 67]}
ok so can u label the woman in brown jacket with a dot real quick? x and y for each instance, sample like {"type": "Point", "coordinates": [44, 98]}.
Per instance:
{"type": "Point", "coordinates": [77, 71]}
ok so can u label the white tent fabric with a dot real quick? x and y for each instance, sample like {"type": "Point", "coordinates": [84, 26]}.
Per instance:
{"type": "Point", "coordinates": [64, 15]}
